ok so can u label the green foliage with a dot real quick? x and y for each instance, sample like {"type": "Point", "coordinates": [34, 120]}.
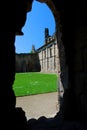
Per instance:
{"type": "Point", "coordinates": [34, 83]}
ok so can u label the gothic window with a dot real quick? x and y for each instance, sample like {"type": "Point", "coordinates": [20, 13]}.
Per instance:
{"type": "Point", "coordinates": [54, 62]}
{"type": "Point", "coordinates": [45, 54]}
{"type": "Point", "coordinates": [50, 52]}
{"type": "Point", "coordinates": [42, 54]}
{"type": "Point", "coordinates": [47, 63]}
{"type": "Point", "coordinates": [42, 63]}
{"type": "Point", "coordinates": [54, 49]}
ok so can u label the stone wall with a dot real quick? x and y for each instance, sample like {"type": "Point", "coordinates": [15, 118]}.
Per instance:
{"type": "Point", "coordinates": [72, 16]}
{"type": "Point", "coordinates": [49, 59]}
{"type": "Point", "coordinates": [49, 55]}
{"type": "Point", "coordinates": [45, 59]}
{"type": "Point", "coordinates": [27, 62]}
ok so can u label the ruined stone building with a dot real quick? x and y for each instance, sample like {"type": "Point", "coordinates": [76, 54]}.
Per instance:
{"type": "Point", "coordinates": [48, 54]}
{"type": "Point", "coordinates": [44, 59]}
{"type": "Point", "coordinates": [28, 62]}
{"type": "Point", "coordinates": [71, 21]}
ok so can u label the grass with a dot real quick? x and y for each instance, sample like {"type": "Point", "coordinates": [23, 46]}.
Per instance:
{"type": "Point", "coordinates": [34, 83]}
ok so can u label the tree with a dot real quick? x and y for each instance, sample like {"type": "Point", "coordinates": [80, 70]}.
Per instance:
{"type": "Point", "coordinates": [33, 49]}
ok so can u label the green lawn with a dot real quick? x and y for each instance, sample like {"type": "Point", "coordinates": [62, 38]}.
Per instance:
{"type": "Point", "coordinates": [34, 83]}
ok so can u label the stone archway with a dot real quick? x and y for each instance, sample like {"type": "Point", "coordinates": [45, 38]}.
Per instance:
{"type": "Point", "coordinates": [51, 64]}
{"type": "Point", "coordinates": [73, 22]}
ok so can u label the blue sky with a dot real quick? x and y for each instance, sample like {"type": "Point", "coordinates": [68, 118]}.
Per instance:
{"type": "Point", "coordinates": [38, 19]}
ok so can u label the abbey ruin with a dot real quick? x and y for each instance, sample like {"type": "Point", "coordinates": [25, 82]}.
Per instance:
{"type": "Point", "coordinates": [71, 23]}
{"type": "Point", "coordinates": [44, 59]}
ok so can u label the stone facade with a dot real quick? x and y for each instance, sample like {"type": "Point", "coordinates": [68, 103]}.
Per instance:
{"type": "Point", "coordinates": [48, 55]}
{"type": "Point", "coordinates": [44, 59]}
{"type": "Point", "coordinates": [71, 20]}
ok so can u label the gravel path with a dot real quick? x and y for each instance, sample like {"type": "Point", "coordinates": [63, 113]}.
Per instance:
{"type": "Point", "coordinates": [39, 105]}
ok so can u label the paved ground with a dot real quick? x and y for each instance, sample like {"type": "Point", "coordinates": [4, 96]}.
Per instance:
{"type": "Point", "coordinates": [39, 105]}
{"type": "Point", "coordinates": [46, 105]}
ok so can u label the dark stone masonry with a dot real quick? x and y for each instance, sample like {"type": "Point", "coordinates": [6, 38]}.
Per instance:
{"type": "Point", "coordinates": [71, 23]}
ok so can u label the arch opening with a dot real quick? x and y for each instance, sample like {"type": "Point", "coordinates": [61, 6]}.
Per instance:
{"type": "Point", "coordinates": [54, 64]}
{"type": "Point", "coordinates": [74, 40]}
